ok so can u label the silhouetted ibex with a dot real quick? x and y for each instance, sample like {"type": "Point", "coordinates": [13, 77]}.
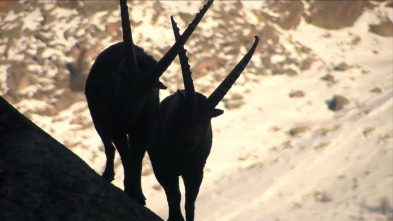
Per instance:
{"type": "Point", "coordinates": [184, 135]}
{"type": "Point", "coordinates": [122, 96]}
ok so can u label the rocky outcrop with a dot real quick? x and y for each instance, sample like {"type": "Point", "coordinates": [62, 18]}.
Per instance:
{"type": "Point", "coordinates": [6, 6]}
{"type": "Point", "coordinates": [335, 14]}
{"type": "Point", "coordinates": [40, 179]}
{"type": "Point", "coordinates": [290, 13]}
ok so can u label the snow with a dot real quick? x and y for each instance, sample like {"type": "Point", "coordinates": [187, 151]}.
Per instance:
{"type": "Point", "coordinates": [3, 78]}
{"type": "Point", "coordinates": [33, 20]}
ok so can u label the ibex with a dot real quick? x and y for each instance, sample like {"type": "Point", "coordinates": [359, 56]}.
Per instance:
{"type": "Point", "coordinates": [184, 135]}
{"type": "Point", "coordinates": [122, 96]}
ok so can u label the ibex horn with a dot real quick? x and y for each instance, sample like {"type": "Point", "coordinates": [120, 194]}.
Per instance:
{"type": "Point", "coordinates": [127, 36]}
{"type": "Point", "coordinates": [224, 87]}
{"type": "Point", "coordinates": [167, 59]}
{"type": "Point", "coordinates": [185, 68]}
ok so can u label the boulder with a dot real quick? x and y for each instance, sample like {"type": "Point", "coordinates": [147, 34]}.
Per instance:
{"type": "Point", "coordinates": [337, 103]}
{"type": "Point", "coordinates": [40, 179]}
{"type": "Point", "coordinates": [384, 28]}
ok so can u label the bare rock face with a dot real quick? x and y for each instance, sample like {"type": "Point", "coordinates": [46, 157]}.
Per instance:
{"type": "Point", "coordinates": [290, 12]}
{"type": "Point", "coordinates": [6, 6]}
{"type": "Point", "coordinates": [40, 179]}
{"type": "Point", "coordinates": [336, 14]}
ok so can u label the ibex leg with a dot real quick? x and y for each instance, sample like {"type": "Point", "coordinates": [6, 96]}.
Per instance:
{"type": "Point", "coordinates": [109, 172]}
{"type": "Point", "coordinates": [192, 182]}
{"type": "Point", "coordinates": [138, 151]}
{"type": "Point", "coordinates": [173, 195]}
{"type": "Point", "coordinates": [104, 129]}
{"type": "Point", "coordinates": [121, 143]}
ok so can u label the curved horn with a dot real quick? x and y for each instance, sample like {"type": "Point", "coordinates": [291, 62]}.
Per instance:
{"type": "Point", "coordinates": [224, 87]}
{"type": "Point", "coordinates": [185, 68]}
{"type": "Point", "coordinates": [127, 36]}
{"type": "Point", "coordinates": [167, 59]}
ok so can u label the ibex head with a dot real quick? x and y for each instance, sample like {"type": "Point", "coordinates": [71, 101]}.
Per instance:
{"type": "Point", "coordinates": [136, 79]}
{"type": "Point", "coordinates": [196, 104]}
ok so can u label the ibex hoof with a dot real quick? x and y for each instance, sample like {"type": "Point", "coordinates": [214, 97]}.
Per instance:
{"type": "Point", "coordinates": [140, 198]}
{"type": "Point", "coordinates": [108, 176]}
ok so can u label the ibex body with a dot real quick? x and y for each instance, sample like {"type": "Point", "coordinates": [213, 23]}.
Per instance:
{"type": "Point", "coordinates": [184, 136]}
{"type": "Point", "coordinates": [122, 96]}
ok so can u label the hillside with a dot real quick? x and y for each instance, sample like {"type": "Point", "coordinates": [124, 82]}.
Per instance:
{"type": "Point", "coordinates": [307, 132]}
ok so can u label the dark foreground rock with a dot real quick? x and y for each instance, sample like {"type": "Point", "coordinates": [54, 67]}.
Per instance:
{"type": "Point", "coordinates": [40, 179]}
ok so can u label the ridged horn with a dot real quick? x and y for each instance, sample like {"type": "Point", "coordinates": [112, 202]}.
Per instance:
{"type": "Point", "coordinates": [224, 87]}
{"type": "Point", "coordinates": [127, 36]}
{"type": "Point", "coordinates": [185, 68]}
{"type": "Point", "coordinates": [167, 59]}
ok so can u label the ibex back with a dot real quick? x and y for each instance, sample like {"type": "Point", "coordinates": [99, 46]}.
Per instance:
{"type": "Point", "coordinates": [184, 135]}
{"type": "Point", "coordinates": [122, 96]}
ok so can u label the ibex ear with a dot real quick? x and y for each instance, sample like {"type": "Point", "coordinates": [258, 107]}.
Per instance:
{"type": "Point", "coordinates": [208, 115]}
{"type": "Point", "coordinates": [159, 85]}
{"type": "Point", "coordinates": [215, 113]}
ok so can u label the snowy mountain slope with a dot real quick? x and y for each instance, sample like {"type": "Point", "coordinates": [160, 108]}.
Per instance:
{"type": "Point", "coordinates": [281, 155]}
{"type": "Point", "coordinates": [343, 174]}
{"type": "Point", "coordinates": [339, 168]}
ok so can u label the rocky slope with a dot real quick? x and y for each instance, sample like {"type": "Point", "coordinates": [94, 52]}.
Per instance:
{"type": "Point", "coordinates": [40, 179]}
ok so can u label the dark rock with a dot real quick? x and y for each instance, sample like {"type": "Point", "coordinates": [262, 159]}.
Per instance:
{"type": "Point", "coordinates": [40, 179]}
{"type": "Point", "coordinates": [376, 90]}
{"type": "Point", "coordinates": [296, 131]}
{"type": "Point", "coordinates": [356, 40]}
{"type": "Point", "coordinates": [337, 103]}
{"type": "Point", "coordinates": [341, 67]}
{"type": "Point", "coordinates": [296, 94]}
{"type": "Point", "coordinates": [329, 79]}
